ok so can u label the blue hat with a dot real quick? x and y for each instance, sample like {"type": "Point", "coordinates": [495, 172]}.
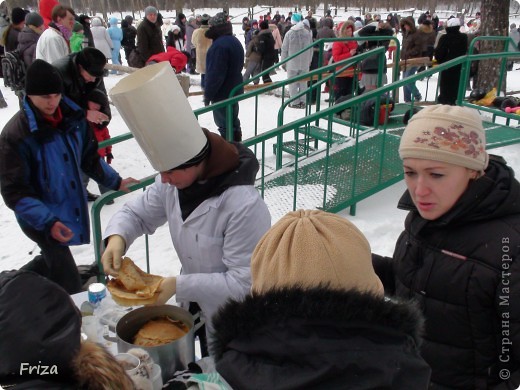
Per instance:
{"type": "Point", "coordinates": [296, 18]}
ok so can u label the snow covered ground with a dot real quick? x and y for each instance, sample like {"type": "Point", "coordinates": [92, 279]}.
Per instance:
{"type": "Point", "coordinates": [377, 216]}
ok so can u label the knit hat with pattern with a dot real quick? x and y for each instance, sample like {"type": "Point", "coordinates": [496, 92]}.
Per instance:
{"type": "Point", "coordinates": [448, 134]}
{"type": "Point", "coordinates": [218, 20]}
{"type": "Point", "coordinates": [311, 248]}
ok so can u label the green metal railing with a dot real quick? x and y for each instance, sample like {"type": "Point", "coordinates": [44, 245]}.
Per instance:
{"type": "Point", "coordinates": [282, 131]}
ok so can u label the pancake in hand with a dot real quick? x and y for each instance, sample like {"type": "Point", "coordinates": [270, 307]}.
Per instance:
{"type": "Point", "coordinates": [133, 286]}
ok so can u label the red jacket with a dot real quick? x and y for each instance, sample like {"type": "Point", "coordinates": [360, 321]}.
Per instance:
{"type": "Point", "coordinates": [102, 134]}
{"type": "Point", "coordinates": [177, 59]}
{"type": "Point", "coordinates": [341, 51]}
{"type": "Point", "coordinates": [46, 7]}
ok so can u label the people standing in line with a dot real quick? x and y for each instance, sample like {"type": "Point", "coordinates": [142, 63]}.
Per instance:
{"type": "Point", "coordinates": [176, 39]}
{"type": "Point", "coordinates": [102, 40]}
{"type": "Point", "coordinates": [277, 37]}
{"type": "Point", "coordinates": [149, 35]}
{"type": "Point", "coordinates": [224, 64]}
{"type": "Point", "coordinates": [316, 316]}
{"type": "Point", "coordinates": [28, 37]}
{"type": "Point", "coordinates": [253, 62]}
{"type": "Point", "coordinates": [180, 21]}
{"type": "Point", "coordinates": [266, 47]}
{"type": "Point", "coordinates": [78, 38]}
{"type": "Point", "coordinates": [205, 193]}
{"type": "Point", "coordinates": [129, 35]}
{"type": "Point", "coordinates": [54, 41]}
{"type": "Point", "coordinates": [514, 34]}
{"type": "Point", "coordinates": [251, 31]}
{"type": "Point", "coordinates": [458, 256]}
{"type": "Point", "coordinates": [202, 45]}
{"type": "Point", "coordinates": [9, 39]}
{"type": "Point", "coordinates": [296, 39]}
{"type": "Point", "coordinates": [411, 48]}
{"type": "Point", "coordinates": [188, 46]}
{"type": "Point", "coordinates": [166, 28]}
{"type": "Point", "coordinates": [341, 50]}
{"type": "Point", "coordinates": [89, 39]}
{"type": "Point", "coordinates": [116, 35]}
{"type": "Point", "coordinates": [451, 45]}
{"type": "Point", "coordinates": [41, 149]}
{"type": "Point", "coordinates": [370, 66]}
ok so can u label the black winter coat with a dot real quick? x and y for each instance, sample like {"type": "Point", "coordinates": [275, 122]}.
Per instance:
{"type": "Point", "coordinates": [266, 48]}
{"type": "Point", "coordinates": [149, 39]}
{"type": "Point", "coordinates": [319, 339]}
{"type": "Point", "coordinates": [464, 269]}
{"type": "Point", "coordinates": [74, 84]}
{"type": "Point", "coordinates": [451, 45]}
{"type": "Point", "coordinates": [129, 35]}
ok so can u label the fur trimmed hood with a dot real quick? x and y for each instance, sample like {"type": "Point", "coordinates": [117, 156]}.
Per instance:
{"type": "Point", "coordinates": [299, 338]}
{"type": "Point", "coordinates": [240, 318]}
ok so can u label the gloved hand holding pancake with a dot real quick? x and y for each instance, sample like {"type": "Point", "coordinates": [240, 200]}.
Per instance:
{"type": "Point", "coordinates": [133, 286]}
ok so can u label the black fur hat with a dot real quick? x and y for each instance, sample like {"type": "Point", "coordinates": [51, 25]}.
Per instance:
{"type": "Point", "coordinates": [92, 60]}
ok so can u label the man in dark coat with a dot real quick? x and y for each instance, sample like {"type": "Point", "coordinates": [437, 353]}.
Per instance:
{"type": "Point", "coordinates": [316, 317]}
{"type": "Point", "coordinates": [266, 49]}
{"type": "Point", "coordinates": [451, 45]}
{"type": "Point", "coordinates": [43, 149]}
{"type": "Point", "coordinates": [224, 64]}
{"type": "Point", "coordinates": [82, 73]}
{"type": "Point", "coordinates": [85, 22]}
{"type": "Point", "coordinates": [129, 35]}
{"type": "Point", "coordinates": [149, 35]}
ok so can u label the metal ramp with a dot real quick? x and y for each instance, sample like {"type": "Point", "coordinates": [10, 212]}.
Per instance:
{"type": "Point", "coordinates": [353, 171]}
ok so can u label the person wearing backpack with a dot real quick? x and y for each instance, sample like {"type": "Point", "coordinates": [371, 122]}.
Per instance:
{"type": "Point", "coordinates": [41, 148]}
{"type": "Point", "coordinates": [28, 37]}
{"type": "Point", "coordinates": [9, 38]}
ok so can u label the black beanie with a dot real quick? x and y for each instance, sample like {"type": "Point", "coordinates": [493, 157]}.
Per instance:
{"type": "Point", "coordinates": [18, 15]}
{"type": "Point", "coordinates": [43, 79]}
{"type": "Point", "coordinates": [92, 60]}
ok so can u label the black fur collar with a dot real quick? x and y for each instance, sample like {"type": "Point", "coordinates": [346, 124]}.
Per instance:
{"type": "Point", "coordinates": [237, 318]}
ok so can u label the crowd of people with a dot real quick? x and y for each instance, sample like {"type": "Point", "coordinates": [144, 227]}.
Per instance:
{"type": "Point", "coordinates": [300, 304]}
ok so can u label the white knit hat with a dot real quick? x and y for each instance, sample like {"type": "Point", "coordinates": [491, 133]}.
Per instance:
{"type": "Point", "coordinates": [453, 22]}
{"type": "Point", "coordinates": [311, 248]}
{"type": "Point", "coordinates": [154, 107]}
{"type": "Point", "coordinates": [449, 134]}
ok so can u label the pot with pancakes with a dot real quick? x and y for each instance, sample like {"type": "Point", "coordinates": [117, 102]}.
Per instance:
{"type": "Point", "coordinates": [166, 332]}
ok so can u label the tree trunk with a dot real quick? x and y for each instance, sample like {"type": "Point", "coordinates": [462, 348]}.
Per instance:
{"type": "Point", "coordinates": [495, 22]}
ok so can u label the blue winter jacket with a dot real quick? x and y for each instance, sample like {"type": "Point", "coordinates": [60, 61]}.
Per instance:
{"type": "Point", "coordinates": [40, 169]}
{"type": "Point", "coordinates": [224, 64]}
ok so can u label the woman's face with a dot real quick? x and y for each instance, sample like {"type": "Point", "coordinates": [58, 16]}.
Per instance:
{"type": "Point", "coordinates": [435, 186]}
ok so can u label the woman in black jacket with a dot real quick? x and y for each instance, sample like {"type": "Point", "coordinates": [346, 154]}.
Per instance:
{"type": "Point", "coordinates": [458, 254]}
{"type": "Point", "coordinates": [451, 45]}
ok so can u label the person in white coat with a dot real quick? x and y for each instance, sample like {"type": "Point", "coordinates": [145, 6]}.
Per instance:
{"type": "Point", "coordinates": [297, 38]}
{"type": "Point", "coordinates": [102, 40]}
{"type": "Point", "coordinates": [54, 41]}
{"type": "Point", "coordinates": [205, 193]}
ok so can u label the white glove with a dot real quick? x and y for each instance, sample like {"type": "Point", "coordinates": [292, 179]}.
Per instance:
{"type": "Point", "coordinates": [113, 254]}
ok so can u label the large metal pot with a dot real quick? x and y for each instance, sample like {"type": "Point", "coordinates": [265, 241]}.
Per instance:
{"type": "Point", "coordinates": [171, 357]}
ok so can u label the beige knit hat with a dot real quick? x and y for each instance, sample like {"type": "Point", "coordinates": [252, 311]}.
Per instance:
{"type": "Point", "coordinates": [449, 134]}
{"type": "Point", "coordinates": [308, 248]}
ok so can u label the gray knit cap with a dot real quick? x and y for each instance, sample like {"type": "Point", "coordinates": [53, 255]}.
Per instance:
{"type": "Point", "coordinates": [150, 10]}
